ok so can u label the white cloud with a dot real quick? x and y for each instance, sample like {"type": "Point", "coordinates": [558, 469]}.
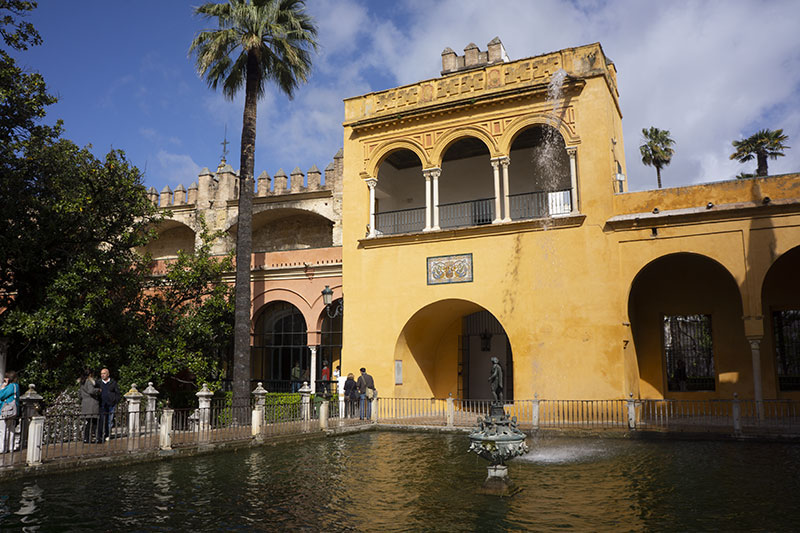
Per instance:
{"type": "Point", "coordinates": [174, 169]}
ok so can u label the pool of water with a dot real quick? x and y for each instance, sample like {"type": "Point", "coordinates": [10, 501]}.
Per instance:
{"type": "Point", "coordinates": [387, 481]}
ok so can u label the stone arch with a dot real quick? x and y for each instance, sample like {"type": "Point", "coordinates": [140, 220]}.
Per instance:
{"type": "Point", "coordinates": [261, 300]}
{"type": "Point", "coordinates": [520, 124]}
{"type": "Point", "coordinates": [280, 331]}
{"type": "Point", "coordinates": [662, 295]}
{"type": "Point", "coordinates": [172, 236]}
{"type": "Point", "coordinates": [288, 228]}
{"type": "Point", "coordinates": [431, 342]}
{"type": "Point", "coordinates": [384, 150]}
{"type": "Point", "coordinates": [456, 134]}
{"type": "Point", "coordinates": [318, 306]}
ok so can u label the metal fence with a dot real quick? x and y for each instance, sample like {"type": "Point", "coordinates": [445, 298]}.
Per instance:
{"type": "Point", "coordinates": [400, 221]}
{"type": "Point", "coordinates": [469, 213]}
{"type": "Point", "coordinates": [540, 204]}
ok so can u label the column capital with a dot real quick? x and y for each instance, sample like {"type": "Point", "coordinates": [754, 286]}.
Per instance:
{"type": "Point", "coordinates": [503, 160]}
{"type": "Point", "coordinates": [371, 182]}
{"type": "Point", "coordinates": [433, 172]}
{"type": "Point", "coordinates": [572, 151]}
{"type": "Point", "coordinates": [755, 343]}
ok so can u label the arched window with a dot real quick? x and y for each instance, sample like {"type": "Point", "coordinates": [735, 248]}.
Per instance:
{"type": "Point", "coordinates": [330, 347]}
{"type": "Point", "coordinates": [280, 344]}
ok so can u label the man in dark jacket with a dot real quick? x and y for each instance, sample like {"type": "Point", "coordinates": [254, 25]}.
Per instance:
{"type": "Point", "coordinates": [366, 392]}
{"type": "Point", "coordinates": [109, 397]}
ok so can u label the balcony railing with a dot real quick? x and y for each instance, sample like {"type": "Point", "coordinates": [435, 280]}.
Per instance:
{"type": "Point", "coordinates": [463, 214]}
{"type": "Point", "coordinates": [523, 206]}
{"type": "Point", "coordinates": [400, 221]}
{"type": "Point", "coordinates": [540, 204]}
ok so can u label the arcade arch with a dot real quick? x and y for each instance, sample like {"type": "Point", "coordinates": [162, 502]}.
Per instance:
{"type": "Point", "coordinates": [280, 339]}
{"type": "Point", "coordinates": [172, 237]}
{"type": "Point", "coordinates": [685, 312]}
{"type": "Point", "coordinates": [399, 194]}
{"type": "Point", "coordinates": [446, 347]}
{"type": "Point", "coordinates": [290, 229]}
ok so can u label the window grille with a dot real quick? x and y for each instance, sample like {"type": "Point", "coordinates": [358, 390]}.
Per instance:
{"type": "Point", "coordinates": [689, 353]}
{"type": "Point", "coordinates": [786, 324]}
{"type": "Point", "coordinates": [280, 341]}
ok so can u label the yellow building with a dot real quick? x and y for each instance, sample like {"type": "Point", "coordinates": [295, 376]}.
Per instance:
{"type": "Point", "coordinates": [486, 214]}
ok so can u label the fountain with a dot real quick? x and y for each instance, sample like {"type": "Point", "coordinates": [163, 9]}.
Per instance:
{"type": "Point", "coordinates": [497, 439]}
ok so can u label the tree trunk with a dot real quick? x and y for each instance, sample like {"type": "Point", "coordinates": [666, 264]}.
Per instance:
{"type": "Point", "coordinates": [244, 240]}
{"type": "Point", "coordinates": [658, 175]}
{"type": "Point", "coordinates": [762, 165]}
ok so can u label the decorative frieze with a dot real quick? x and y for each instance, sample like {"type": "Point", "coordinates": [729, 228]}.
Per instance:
{"type": "Point", "coordinates": [450, 269]}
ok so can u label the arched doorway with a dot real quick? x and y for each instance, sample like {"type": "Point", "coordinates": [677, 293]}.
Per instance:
{"type": "Point", "coordinates": [279, 344]}
{"type": "Point", "coordinates": [330, 345]}
{"type": "Point", "coordinates": [780, 297]}
{"type": "Point", "coordinates": [446, 348]}
{"type": "Point", "coordinates": [686, 319]}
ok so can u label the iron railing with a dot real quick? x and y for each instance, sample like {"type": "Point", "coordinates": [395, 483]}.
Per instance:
{"type": "Point", "coordinates": [463, 214]}
{"type": "Point", "coordinates": [540, 204]}
{"type": "Point", "coordinates": [400, 221]}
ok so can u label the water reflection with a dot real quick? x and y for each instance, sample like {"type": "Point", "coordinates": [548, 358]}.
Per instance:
{"type": "Point", "coordinates": [381, 481]}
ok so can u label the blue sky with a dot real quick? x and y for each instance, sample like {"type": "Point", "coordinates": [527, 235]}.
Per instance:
{"type": "Point", "coordinates": [709, 72]}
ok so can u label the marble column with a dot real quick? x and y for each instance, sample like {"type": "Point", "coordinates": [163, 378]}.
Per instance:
{"type": "Point", "coordinates": [504, 162]}
{"type": "Point", "coordinates": [758, 393]}
{"type": "Point", "coordinates": [435, 173]}
{"type": "Point", "coordinates": [371, 184]}
{"type": "Point", "coordinates": [572, 151]}
{"type": "Point", "coordinates": [428, 209]}
{"type": "Point", "coordinates": [313, 370]}
{"type": "Point", "coordinates": [496, 172]}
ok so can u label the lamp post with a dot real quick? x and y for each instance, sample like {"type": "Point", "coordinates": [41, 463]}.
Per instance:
{"type": "Point", "coordinates": [327, 297]}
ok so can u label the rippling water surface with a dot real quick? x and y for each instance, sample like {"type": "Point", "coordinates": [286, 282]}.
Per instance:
{"type": "Point", "coordinates": [386, 481]}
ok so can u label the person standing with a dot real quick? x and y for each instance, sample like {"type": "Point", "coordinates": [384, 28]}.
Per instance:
{"type": "Point", "coordinates": [90, 405]}
{"type": "Point", "coordinates": [350, 395]}
{"type": "Point", "coordinates": [296, 383]}
{"type": "Point", "coordinates": [326, 377]}
{"type": "Point", "coordinates": [366, 392]}
{"type": "Point", "coordinates": [9, 411]}
{"type": "Point", "coordinates": [109, 397]}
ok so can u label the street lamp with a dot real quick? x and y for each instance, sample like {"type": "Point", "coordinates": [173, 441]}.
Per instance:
{"type": "Point", "coordinates": [327, 297]}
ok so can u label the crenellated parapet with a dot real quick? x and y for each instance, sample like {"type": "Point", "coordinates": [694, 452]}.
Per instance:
{"type": "Point", "coordinates": [295, 211]}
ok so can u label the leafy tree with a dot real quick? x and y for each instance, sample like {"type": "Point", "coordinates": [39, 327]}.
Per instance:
{"type": "Point", "coordinates": [255, 42]}
{"type": "Point", "coordinates": [764, 144]}
{"type": "Point", "coordinates": [656, 149]}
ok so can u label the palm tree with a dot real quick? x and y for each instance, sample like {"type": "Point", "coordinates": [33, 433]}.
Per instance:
{"type": "Point", "coordinates": [656, 149]}
{"type": "Point", "coordinates": [255, 42]}
{"type": "Point", "coordinates": [761, 145]}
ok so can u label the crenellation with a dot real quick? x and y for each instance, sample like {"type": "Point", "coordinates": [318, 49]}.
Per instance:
{"type": "Point", "coordinates": [297, 177]}
{"type": "Point", "coordinates": [228, 182]}
{"type": "Point", "coordinates": [180, 195]}
{"type": "Point", "coordinates": [263, 184]}
{"type": "Point", "coordinates": [205, 190]}
{"type": "Point", "coordinates": [314, 179]}
{"type": "Point", "coordinates": [152, 195]}
{"type": "Point", "coordinates": [166, 197]}
{"type": "Point", "coordinates": [473, 57]}
{"type": "Point", "coordinates": [191, 197]}
{"type": "Point", "coordinates": [281, 182]}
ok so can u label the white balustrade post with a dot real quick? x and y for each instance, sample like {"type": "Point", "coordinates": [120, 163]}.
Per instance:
{"type": "Point", "coordinates": [631, 411]}
{"type": "Point", "coordinates": [504, 162]}
{"type": "Point", "coordinates": [305, 400]}
{"type": "Point", "coordinates": [755, 350]}
{"type": "Point", "coordinates": [428, 208]}
{"type": "Point", "coordinates": [572, 151]}
{"type": "Point", "coordinates": [451, 411]}
{"type": "Point", "coordinates": [535, 412]}
{"type": "Point", "coordinates": [150, 413]}
{"type": "Point", "coordinates": [737, 415]}
{"type": "Point", "coordinates": [313, 350]}
{"type": "Point", "coordinates": [435, 173]}
{"type": "Point", "coordinates": [374, 407]}
{"type": "Point", "coordinates": [371, 184]}
{"type": "Point", "coordinates": [323, 414]}
{"type": "Point", "coordinates": [260, 393]}
{"type": "Point", "coordinates": [35, 436]}
{"type": "Point", "coordinates": [134, 399]}
{"type": "Point", "coordinates": [496, 172]}
{"type": "Point", "coordinates": [204, 412]}
{"type": "Point", "coordinates": [165, 429]}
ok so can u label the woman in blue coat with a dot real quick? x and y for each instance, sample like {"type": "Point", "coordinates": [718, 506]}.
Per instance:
{"type": "Point", "coordinates": [9, 411]}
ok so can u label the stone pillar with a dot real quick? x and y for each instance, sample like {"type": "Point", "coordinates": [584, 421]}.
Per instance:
{"type": "Point", "coordinates": [259, 393]}
{"type": "Point", "coordinates": [631, 411]}
{"type": "Point", "coordinates": [313, 369]}
{"type": "Point", "coordinates": [314, 178]}
{"type": "Point", "coordinates": [35, 436]}
{"type": "Point", "coordinates": [31, 404]}
{"type": "Point", "coordinates": [165, 429]}
{"type": "Point", "coordinates": [150, 410]}
{"type": "Point", "coordinates": [496, 171]}
{"type": "Point", "coordinates": [435, 173]}
{"type": "Point", "coordinates": [428, 208]}
{"type": "Point", "coordinates": [180, 195]}
{"type": "Point", "coordinates": [204, 412]}
{"type": "Point", "coordinates": [191, 194]}
{"type": "Point", "coordinates": [166, 197]}
{"type": "Point", "coordinates": [305, 400]}
{"type": "Point", "coordinates": [505, 161]}
{"type": "Point", "coordinates": [535, 412]}
{"type": "Point", "coordinates": [280, 180]}
{"type": "Point", "coordinates": [371, 184]}
{"type": "Point", "coordinates": [323, 414]}
{"type": "Point", "coordinates": [134, 399]}
{"type": "Point", "coordinates": [451, 411]}
{"type": "Point", "coordinates": [297, 178]}
{"type": "Point", "coordinates": [263, 183]}
{"type": "Point", "coordinates": [374, 408]}
{"type": "Point", "coordinates": [572, 151]}
{"type": "Point", "coordinates": [758, 394]}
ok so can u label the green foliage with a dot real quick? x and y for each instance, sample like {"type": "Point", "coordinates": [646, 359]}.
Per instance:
{"type": "Point", "coordinates": [762, 145]}
{"type": "Point", "coordinates": [656, 149]}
